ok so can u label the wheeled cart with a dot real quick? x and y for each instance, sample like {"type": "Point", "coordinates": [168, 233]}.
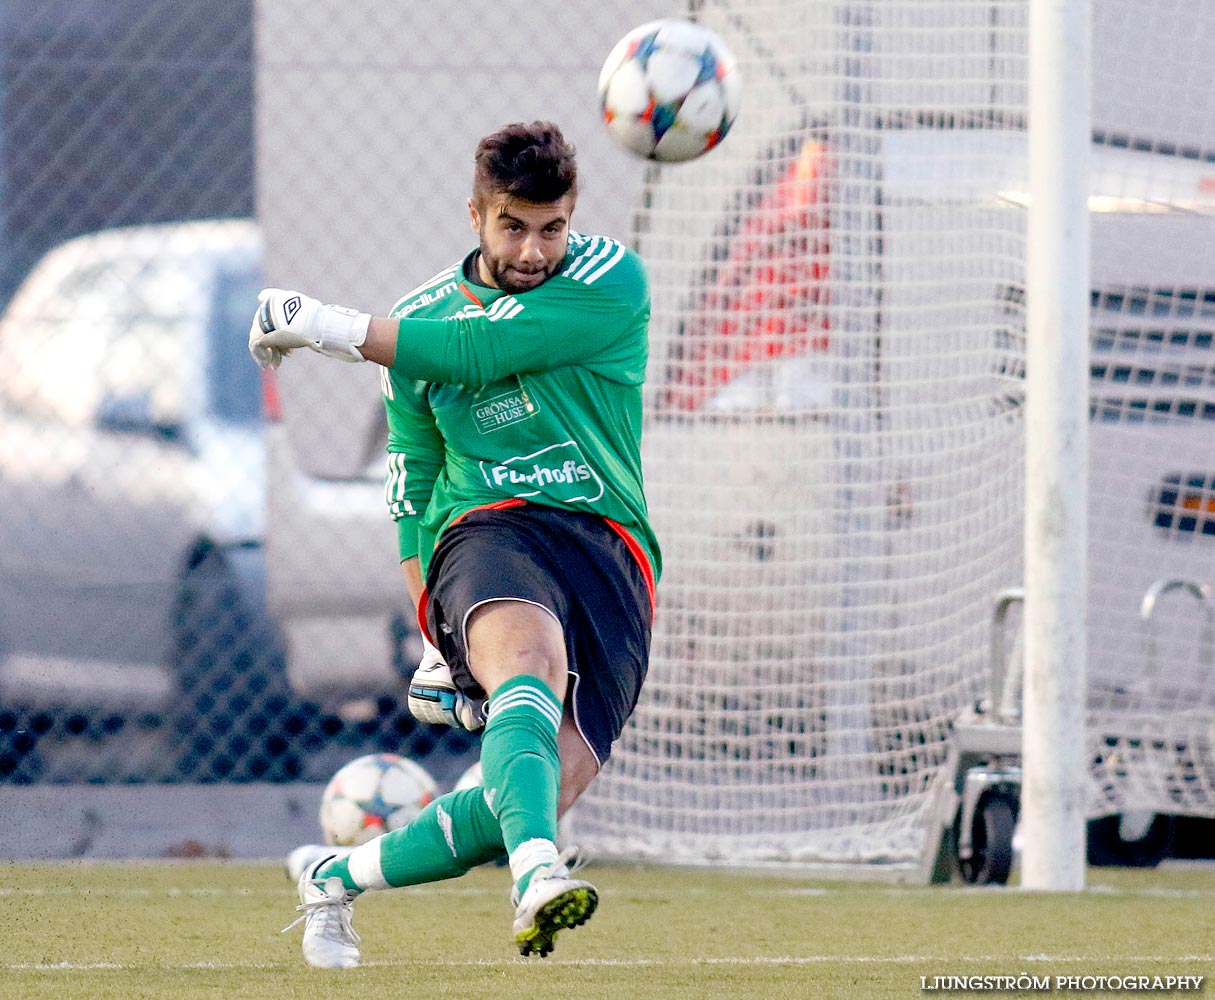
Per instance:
{"type": "Point", "coordinates": [980, 818]}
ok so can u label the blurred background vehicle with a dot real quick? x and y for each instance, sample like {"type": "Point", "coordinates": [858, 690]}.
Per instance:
{"type": "Point", "coordinates": [132, 477]}
{"type": "Point", "coordinates": [133, 618]}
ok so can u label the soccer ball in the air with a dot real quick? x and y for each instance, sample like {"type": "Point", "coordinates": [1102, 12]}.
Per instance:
{"type": "Point", "coordinates": [669, 90]}
{"type": "Point", "coordinates": [372, 795]}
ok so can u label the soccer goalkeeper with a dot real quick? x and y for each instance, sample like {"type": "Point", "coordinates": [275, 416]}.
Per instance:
{"type": "Point", "coordinates": [512, 381]}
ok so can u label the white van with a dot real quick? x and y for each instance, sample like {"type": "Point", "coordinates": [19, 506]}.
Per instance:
{"type": "Point", "coordinates": [132, 480]}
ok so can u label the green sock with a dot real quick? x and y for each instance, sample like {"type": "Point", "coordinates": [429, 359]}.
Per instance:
{"type": "Point", "coordinates": [522, 771]}
{"type": "Point", "coordinates": [453, 834]}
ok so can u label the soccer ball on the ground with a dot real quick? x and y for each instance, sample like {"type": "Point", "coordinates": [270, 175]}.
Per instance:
{"type": "Point", "coordinates": [669, 90]}
{"type": "Point", "coordinates": [372, 795]}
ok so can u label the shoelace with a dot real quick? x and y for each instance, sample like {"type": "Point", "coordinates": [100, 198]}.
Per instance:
{"type": "Point", "coordinates": [568, 862]}
{"type": "Point", "coordinates": [328, 908]}
{"type": "Point", "coordinates": [571, 859]}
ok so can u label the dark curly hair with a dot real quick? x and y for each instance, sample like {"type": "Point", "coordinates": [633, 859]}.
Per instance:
{"type": "Point", "coordinates": [529, 161]}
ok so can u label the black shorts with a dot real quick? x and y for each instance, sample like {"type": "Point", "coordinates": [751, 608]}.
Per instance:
{"type": "Point", "coordinates": [578, 568]}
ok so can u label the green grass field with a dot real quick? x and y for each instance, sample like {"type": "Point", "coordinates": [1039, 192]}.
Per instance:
{"type": "Point", "coordinates": [183, 931]}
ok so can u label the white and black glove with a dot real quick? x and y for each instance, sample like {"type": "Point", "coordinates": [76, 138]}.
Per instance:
{"type": "Point", "coordinates": [434, 698]}
{"type": "Point", "coordinates": [286, 320]}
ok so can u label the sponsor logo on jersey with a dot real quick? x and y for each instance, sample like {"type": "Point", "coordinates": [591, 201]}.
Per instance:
{"type": "Point", "coordinates": [426, 298]}
{"type": "Point", "coordinates": [503, 410]}
{"type": "Point", "coordinates": [559, 471]}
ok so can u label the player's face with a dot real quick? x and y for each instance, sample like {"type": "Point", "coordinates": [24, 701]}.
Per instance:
{"type": "Point", "coordinates": [522, 242]}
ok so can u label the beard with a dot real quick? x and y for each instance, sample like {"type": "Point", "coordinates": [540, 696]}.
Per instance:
{"type": "Point", "coordinates": [511, 279]}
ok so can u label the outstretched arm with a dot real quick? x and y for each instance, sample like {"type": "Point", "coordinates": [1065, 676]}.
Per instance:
{"type": "Point", "coordinates": [287, 320]}
{"type": "Point", "coordinates": [559, 323]}
{"type": "Point", "coordinates": [381, 343]}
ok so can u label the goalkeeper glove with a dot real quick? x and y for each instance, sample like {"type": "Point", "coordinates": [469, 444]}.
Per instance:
{"type": "Point", "coordinates": [286, 320]}
{"type": "Point", "coordinates": [434, 698]}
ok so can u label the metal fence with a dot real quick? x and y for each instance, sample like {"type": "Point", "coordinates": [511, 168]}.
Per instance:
{"type": "Point", "coordinates": [136, 641]}
{"type": "Point", "coordinates": [154, 553]}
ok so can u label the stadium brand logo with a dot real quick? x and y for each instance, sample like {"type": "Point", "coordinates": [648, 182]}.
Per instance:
{"type": "Point", "coordinates": [503, 410]}
{"type": "Point", "coordinates": [559, 471]}
{"type": "Point", "coordinates": [427, 297]}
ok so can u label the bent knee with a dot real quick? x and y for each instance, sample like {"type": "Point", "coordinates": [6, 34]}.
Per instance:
{"type": "Point", "coordinates": [508, 638]}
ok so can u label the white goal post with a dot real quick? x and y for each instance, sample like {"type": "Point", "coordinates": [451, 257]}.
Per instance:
{"type": "Point", "coordinates": [1053, 803]}
{"type": "Point", "coordinates": [836, 436]}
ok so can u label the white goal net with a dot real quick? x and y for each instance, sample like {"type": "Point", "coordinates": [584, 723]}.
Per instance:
{"type": "Point", "coordinates": [835, 428]}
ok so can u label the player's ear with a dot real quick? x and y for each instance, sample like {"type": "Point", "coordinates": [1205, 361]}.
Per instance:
{"type": "Point", "coordinates": [474, 217]}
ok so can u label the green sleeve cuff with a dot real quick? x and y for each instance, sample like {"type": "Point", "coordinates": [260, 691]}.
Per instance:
{"type": "Point", "coordinates": [407, 537]}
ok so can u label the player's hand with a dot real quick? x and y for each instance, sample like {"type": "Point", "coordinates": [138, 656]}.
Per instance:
{"type": "Point", "coordinates": [286, 320]}
{"type": "Point", "coordinates": [434, 698]}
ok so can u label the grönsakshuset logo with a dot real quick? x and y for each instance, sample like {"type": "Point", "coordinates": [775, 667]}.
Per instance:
{"type": "Point", "coordinates": [559, 471]}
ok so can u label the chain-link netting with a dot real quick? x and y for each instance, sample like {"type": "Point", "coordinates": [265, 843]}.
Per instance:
{"type": "Point", "coordinates": [198, 576]}
{"type": "Point", "coordinates": [142, 635]}
{"type": "Point", "coordinates": [135, 642]}
{"type": "Point", "coordinates": [121, 120]}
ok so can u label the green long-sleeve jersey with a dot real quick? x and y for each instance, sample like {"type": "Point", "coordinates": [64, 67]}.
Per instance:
{"type": "Point", "coordinates": [497, 398]}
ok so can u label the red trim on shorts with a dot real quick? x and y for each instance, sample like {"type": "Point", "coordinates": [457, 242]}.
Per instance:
{"type": "Point", "coordinates": [638, 553]}
{"type": "Point", "coordinates": [464, 289]}
{"type": "Point", "coordinates": [496, 505]}
{"type": "Point", "coordinates": [423, 601]}
{"type": "Point", "coordinates": [631, 543]}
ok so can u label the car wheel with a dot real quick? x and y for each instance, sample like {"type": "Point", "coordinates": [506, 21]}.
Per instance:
{"type": "Point", "coordinates": [1111, 844]}
{"type": "Point", "coordinates": [233, 718]}
{"type": "Point", "coordinates": [991, 837]}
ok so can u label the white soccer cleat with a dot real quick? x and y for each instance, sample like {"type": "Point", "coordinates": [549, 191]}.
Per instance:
{"type": "Point", "coordinates": [307, 855]}
{"type": "Point", "coordinates": [327, 911]}
{"type": "Point", "coordinates": [552, 902]}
